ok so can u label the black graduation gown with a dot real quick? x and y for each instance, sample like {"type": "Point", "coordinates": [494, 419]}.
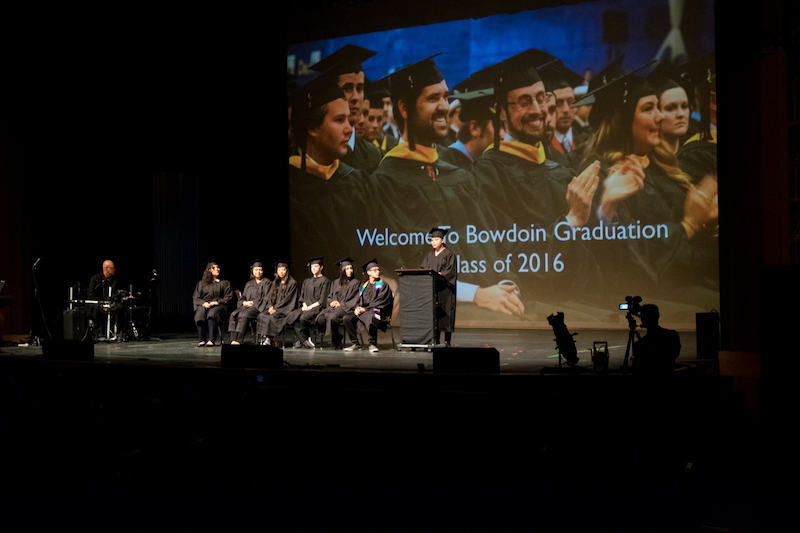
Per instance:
{"type": "Point", "coordinates": [659, 267]}
{"type": "Point", "coordinates": [377, 302]}
{"type": "Point", "coordinates": [455, 157]}
{"type": "Point", "coordinates": [311, 291]}
{"type": "Point", "coordinates": [558, 157]}
{"type": "Point", "coordinates": [698, 158]}
{"type": "Point", "coordinates": [346, 295]}
{"type": "Point", "coordinates": [283, 297]}
{"type": "Point", "coordinates": [445, 264]}
{"type": "Point", "coordinates": [325, 215]}
{"type": "Point", "coordinates": [364, 156]}
{"type": "Point", "coordinates": [219, 291]}
{"type": "Point", "coordinates": [253, 292]}
{"type": "Point", "coordinates": [531, 194]}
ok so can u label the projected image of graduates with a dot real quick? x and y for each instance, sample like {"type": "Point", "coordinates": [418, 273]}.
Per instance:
{"type": "Point", "coordinates": [568, 152]}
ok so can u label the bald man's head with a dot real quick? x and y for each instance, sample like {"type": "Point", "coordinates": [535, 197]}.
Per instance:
{"type": "Point", "coordinates": [109, 268]}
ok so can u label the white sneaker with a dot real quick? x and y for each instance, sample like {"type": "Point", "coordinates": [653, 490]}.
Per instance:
{"type": "Point", "coordinates": [352, 348]}
{"type": "Point", "coordinates": [373, 348]}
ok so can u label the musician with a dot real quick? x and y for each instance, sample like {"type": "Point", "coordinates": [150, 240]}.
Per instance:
{"type": "Point", "coordinates": [102, 289]}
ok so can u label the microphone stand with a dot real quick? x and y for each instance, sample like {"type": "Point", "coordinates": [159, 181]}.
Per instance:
{"type": "Point", "coordinates": [39, 302]}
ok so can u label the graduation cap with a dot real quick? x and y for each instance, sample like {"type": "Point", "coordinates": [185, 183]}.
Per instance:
{"type": "Point", "coordinates": [407, 84]}
{"type": "Point", "coordinates": [369, 265]}
{"type": "Point", "coordinates": [664, 76]}
{"type": "Point", "coordinates": [255, 263]}
{"type": "Point", "coordinates": [517, 71]}
{"type": "Point", "coordinates": [556, 75]}
{"type": "Point", "coordinates": [476, 105]}
{"type": "Point", "coordinates": [609, 73]}
{"type": "Point", "coordinates": [282, 263]}
{"type": "Point", "coordinates": [321, 90]}
{"type": "Point", "coordinates": [344, 262]}
{"type": "Point", "coordinates": [701, 75]}
{"type": "Point", "coordinates": [375, 92]}
{"type": "Point", "coordinates": [622, 91]}
{"type": "Point", "coordinates": [315, 261]}
{"type": "Point", "coordinates": [437, 232]}
{"type": "Point", "coordinates": [345, 60]}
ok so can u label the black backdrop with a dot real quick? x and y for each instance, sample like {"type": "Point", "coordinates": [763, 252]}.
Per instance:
{"type": "Point", "coordinates": [94, 103]}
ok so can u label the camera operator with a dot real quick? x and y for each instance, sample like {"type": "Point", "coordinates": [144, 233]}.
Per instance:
{"type": "Point", "coordinates": [655, 353]}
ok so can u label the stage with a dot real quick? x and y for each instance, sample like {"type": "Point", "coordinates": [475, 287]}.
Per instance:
{"type": "Point", "coordinates": [521, 352]}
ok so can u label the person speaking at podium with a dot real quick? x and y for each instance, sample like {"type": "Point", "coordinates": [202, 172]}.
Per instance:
{"type": "Point", "coordinates": [443, 261]}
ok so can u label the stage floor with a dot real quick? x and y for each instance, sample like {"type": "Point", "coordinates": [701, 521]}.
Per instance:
{"type": "Point", "coordinates": [521, 351]}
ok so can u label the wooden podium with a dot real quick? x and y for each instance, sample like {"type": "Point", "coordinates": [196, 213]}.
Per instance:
{"type": "Point", "coordinates": [418, 288]}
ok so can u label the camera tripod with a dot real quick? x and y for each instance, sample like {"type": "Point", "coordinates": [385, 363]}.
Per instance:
{"type": "Point", "coordinates": [631, 332]}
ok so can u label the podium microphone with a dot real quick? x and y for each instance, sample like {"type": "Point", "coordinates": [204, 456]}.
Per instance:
{"type": "Point", "coordinates": [413, 256]}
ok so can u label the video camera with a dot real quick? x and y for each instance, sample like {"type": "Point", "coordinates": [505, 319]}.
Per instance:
{"type": "Point", "coordinates": [632, 305]}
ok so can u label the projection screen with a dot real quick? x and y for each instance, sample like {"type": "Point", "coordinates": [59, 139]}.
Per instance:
{"type": "Point", "coordinates": [509, 230]}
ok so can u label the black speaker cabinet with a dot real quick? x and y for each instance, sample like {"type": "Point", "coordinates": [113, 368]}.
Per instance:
{"type": "Point", "coordinates": [466, 360]}
{"type": "Point", "coordinates": [76, 324]}
{"type": "Point", "coordinates": [707, 325]}
{"type": "Point", "coordinates": [67, 350]}
{"type": "Point", "coordinates": [251, 356]}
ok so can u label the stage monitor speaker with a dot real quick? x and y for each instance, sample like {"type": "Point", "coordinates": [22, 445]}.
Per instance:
{"type": "Point", "coordinates": [466, 360]}
{"type": "Point", "coordinates": [707, 325]}
{"type": "Point", "coordinates": [67, 350]}
{"type": "Point", "coordinates": [251, 356]}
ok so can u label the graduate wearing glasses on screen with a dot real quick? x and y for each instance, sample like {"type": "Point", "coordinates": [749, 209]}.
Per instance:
{"type": "Point", "coordinates": [526, 189]}
{"type": "Point", "coordinates": [415, 189]}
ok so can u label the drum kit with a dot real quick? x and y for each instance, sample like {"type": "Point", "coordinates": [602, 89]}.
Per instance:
{"type": "Point", "coordinates": [126, 307]}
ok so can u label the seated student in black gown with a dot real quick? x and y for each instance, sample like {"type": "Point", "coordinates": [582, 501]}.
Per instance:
{"type": "Point", "coordinates": [373, 305]}
{"type": "Point", "coordinates": [313, 299]}
{"type": "Point", "coordinates": [210, 298]}
{"type": "Point", "coordinates": [341, 300]}
{"type": "Point", "coordinates": [252, 302]}
{"type": "Point", "coordinates": [281, 301]}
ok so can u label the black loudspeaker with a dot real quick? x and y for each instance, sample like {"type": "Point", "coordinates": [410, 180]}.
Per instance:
{"type": "Point", "coordinates": [615, 27]}
{"type": "Point", "coordinates": [707, 325]}
{"type": "Point", "coordinates": [76, 324]}
{"type": "Point", "coordinates": [466, 360]}
{"type": "Point", "coordinates": [251, 356]}
{"type": "Point", "coordinates": [67, 350]}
